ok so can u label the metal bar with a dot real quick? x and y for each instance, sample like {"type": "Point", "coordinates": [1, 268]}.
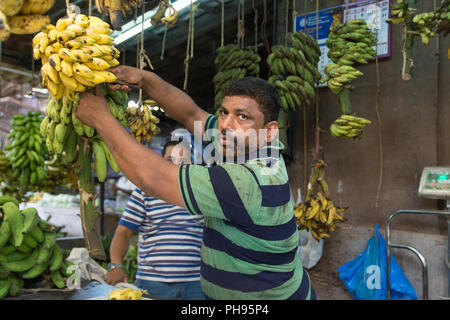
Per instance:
{"type": "Point", "coordinates": [389, 245]}
{"type": "Point", "coordinates": [20, 72]}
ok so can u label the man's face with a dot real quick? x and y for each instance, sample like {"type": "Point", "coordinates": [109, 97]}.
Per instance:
{"type": "Point", "coordinates": [177, 155]}
{"type": "Point", "coordinates": [241, 127]}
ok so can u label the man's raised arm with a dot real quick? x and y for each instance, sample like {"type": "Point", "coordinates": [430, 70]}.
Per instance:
{"type": "Point", "coordinates": [176, 103]}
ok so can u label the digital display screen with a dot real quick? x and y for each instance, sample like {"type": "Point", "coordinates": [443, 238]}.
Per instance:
{"type": "Point", "coordinates": [438, 180]}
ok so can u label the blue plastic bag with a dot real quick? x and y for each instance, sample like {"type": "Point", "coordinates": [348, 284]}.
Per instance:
{"type": "Point", "coordinates": [365, 276]}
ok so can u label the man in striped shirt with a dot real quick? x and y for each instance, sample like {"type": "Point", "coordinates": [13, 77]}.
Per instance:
{"type": "Point", "coordinates": [250, 236]}
{"type": "Point", "coordinates": [169, 242]}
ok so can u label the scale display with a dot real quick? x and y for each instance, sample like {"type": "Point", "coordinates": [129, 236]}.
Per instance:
{"type": "Point", "coordinates": [435, 183]}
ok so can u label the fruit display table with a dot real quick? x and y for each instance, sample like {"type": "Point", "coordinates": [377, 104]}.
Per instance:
{"type": "Point", "coordinates": [92, 290]}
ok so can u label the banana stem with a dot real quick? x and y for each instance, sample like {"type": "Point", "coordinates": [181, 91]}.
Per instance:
{"type": "Point", "coordinates": [408, 63]}
{"type": "Point", "coordinates": [283, 123]}
{"type": "Point", "coordinates": [89, 215]}
{"type": "Point", "coordinates": [344, 101]}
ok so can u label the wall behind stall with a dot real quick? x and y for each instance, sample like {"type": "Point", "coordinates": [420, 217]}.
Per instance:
{"type": "Point", "coordinates": [415, 121]}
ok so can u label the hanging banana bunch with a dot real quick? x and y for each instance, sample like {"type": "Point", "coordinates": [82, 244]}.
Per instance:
{"type": "Point", "coordinates": [317, 213]}
{"type": "Point", "coordinates": [233, 63]}
{"type": "Point", "coordinates": [399, 11]}
{"type": "Point", "coordinates": [59, 173]}
{"type": "Point", "coordinates": [443, 18]}
{"type": "Point", "coordinates": [61, 129]}
{"type": "Point", "coordinates": [9, 185]}
{"type": "Point", "coordinates": [294, 70]}
{"type": "Point", "coordinates": [349, 43]}
{"type": "Point", "coordinates": [142, 122]}
{"type": "Point", "coordinates": [117, 10]}
{"type": "Point", "coordinates": [75, 54]}
{"type": "Point", "coordinates": [171, 18]}
{"type": "Point", "coordinates": [25, 151]}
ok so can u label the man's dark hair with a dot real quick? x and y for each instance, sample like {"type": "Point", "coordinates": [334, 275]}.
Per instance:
{"type": "Point", "coordinates": [168, 144]}
{"type": "Point", "coordinates": [261, 91]}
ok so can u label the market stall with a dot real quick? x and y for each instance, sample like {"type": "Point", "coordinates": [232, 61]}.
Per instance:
{"type": "Point", "coordinates": [362, 111]}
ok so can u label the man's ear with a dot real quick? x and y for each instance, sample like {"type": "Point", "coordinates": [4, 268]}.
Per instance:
{"type": "Point", "coordinates": [272, 130]}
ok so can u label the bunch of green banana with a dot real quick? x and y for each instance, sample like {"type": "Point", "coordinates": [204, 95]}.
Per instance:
{"type": "Point", "coordinates": [59, 173]}
{"type": "Point", "coordinates": [399, 11]}
{"type": "Point", "coordinates": [338, 76]}
{"type": "Point", "coordinates": [9, 185]}
{"type": "Point", "coordinates": [318, 214]}
{"type": "Point", "coordinates": [28, 248]}
{"type": "Point", "coordinates": [294, 70]}
{"type": "Point", "coordinates": [76, 53]}
{"type": "Point", "coordinates": [62, 129]}
{"type": "Point", "coordinates": [4, 163]}
{"type": "Point", "coordinates": [423, 24]}
{"type": "Point", "coordinates": [348, 127]}
{"type": "Point", "coordinates": [233, 63]}
{"type": "Point", "coordinates": [25, 150]}
{"type": "Point", "coordinates": [442, 16]}
{"type": "Point", "coordinates": [349, 43]}
{"type": "Point", "coordinates": [142, 122]}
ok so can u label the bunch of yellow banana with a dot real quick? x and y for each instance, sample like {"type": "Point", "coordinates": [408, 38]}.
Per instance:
{"type": "Point", "coordinates": [23, 16]}
{"type": "Point", "coordinates": [160, 15]}
{"type": "Point", "coordinates": [318, 214]}
{"type": "Point", "coordinates": [171, 18]}
{"type": "Point", "coordinates": [348, 127]}
{"type": "Point", "coordinates": [399, 12]}
{"type": "Point", "coordinates": [75, 53]}
{"type": "Point", "coordinates": [126, 294]}
{"type": "Point", "coordinates": [294, 70]}
{"type": "Point", "coordinates": [142, 122]}
{"type": "Point", "coordinates": [117, 10]}
{"type": "Point", "coordinates": [25, 151]}
{"type": "Point", "coordinates": [233, 63]}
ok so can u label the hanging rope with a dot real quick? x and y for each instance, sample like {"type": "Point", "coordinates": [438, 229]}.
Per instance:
{"type": "Point", "coordinates": [141, 57]}
{"type": "Point", "coordinates": [377, 108]}
{"type": "Point", "coordinates": [305, 144]}
{"type": "Point", "coordinates": [256, 24]}
{"type": "Point", "coordinates": [186, 60]}
{"type": "Point", "coordinates": [222, 35]}
{"type": "Point", "coordinates": [192, 32]}
{"type": "Point", "coordinates": [287, 23]}
{"type": "Point", "coordinates": [90, 8]}
{"type": "Point", "coordinates": [316, 150]}
{"type": "Point", "coordinates": [263, 28]}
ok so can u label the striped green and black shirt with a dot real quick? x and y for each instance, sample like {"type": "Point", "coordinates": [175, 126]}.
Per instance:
{"type": "Point", "coordinates": [250, 236]}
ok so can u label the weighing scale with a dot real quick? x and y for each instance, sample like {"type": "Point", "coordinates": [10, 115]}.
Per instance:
{"type": "Point", "coordinates": [434, 184]}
